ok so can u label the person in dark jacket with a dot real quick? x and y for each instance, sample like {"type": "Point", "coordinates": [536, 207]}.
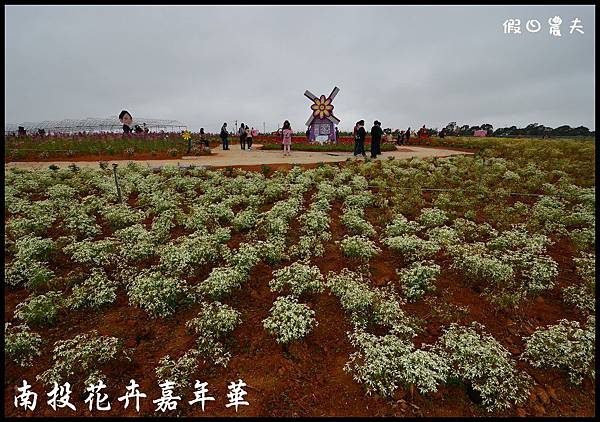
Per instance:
{"type": "Point", "coordinates": [359, 140]}
{"type": "Point", "coordinates": [407, 136]}
{"type": "Point", "coordinates": [243, 136]}
{"type": "Point", "coordinates": [224, 134]}
{"type": "Point", "coordinates": [376, 133]}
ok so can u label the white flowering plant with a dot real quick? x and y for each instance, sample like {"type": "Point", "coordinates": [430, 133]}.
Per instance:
{"type": "Point", "coordinates": [359, 247]}
{"type": "Point", "coordinates": [180, 371]}
{"type": "Point", "coordinates": [566, 346]}
{"type": "Point", "coordinates": [412, 247]}
{"type": "Point", "coordinates": [95, 291]}
{"type": "Point", "coordinates": [31, 274]}
{"type": "Point", "coordinates": [477, 358]}
{"type": "Point", "coordinates": [41, 309]}
{"type": "Point", "coordinates": [383, 363]}
{"type": "Point", "coordinates": [81, 356]}
{"type": "Point", "coordinates": [158, 294]}
{"type": "Point", "coordinates": [297, 278]}
{"type": "Point", "coordinates": [431, 217]}
{"type": "Point", "coordinates": [214, 321]}
{"type": "Point", "coordinates": [21, 345]}
{"type": "Point", "coordinates": [89, 252]}
{"type": "Point", "coordinates": [418, 278]}
{"type": "Point", "coordinates": [289, 320]}
{"type": "Point", "coordinates": [353, 219]}
{"type": "Point", "coordinates": [222, 281]}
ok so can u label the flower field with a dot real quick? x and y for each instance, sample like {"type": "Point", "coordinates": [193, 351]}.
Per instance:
{"type": "Point", "coordinates": [459, 286]}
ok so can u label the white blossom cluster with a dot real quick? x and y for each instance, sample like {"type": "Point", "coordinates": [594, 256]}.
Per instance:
{"type": "Point", "coordinates": [383, 363]}
{"type": "Point", "coordinates": [354, 220]}
{"type": "Point", "coordinates": [566, 346]}
{"type": "Point", "coordinates": [180, 371]}
{"type": "Point", "coordinates": [188, 252]}
{"type": "Point", "coordinates": [418, 278]}
{"type": "Point", "coordinates": [40, 309]}
{"type": "Point", "coordinates": [401, 226]}
{"type": "Point", "coordinates": [289, 320]}
{"type": "Point", "coordinates": [135, 243]}
{"type": "Point", "coordinates": [89, 252]}
{"type": "Point", "coordinates": [297, 278]}
{"type": "Point", "coordinates": [83, 355]}
{"type": "Point", "coordinates": [476, 357]}
{"type": "Point", "coordinates": [412, 247]}
{"type": "Point", "coordinates": [432, 217]}
{"type": "Point", "coordinates": [359, 247]}
{"type": "Point", "coordinates": [95, 291]}
{"type": "Point", "coordinates": [158, 294]}
{"type": "Point", "coordinates": [213, 322]}
{"type": "Point", "coordinates": [119, 216]}
{"type": "Point", "coordinates": [20, 344]}
{"type": "Point", "coordinates": [363, 304]}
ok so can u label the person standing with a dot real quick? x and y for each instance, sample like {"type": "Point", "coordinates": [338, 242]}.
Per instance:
{"type": "Point", "coordinates": [359, 140]}
{"type": "Point", "coordinates": [203, 139]}
{"type": "Point", "coordinates": [407, 136]}
{"type": "Point", "coordinates": [376, 133]}
{"type": "Point", "coordinates": [242, 133]}
{"type": "Point", "coordinates": [286, 138]}
{"type": "Point", "coordinates": [337, 135]}
{"type": "Point", "coordinates": [224, 134]}
{"type": "Point", "coordinates": [253, 134]}
{"type": "Point", "coordinates": [248, 137]}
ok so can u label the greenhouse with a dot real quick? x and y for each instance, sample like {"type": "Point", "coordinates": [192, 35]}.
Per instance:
{"type": "Point", "coordinates": [92, 124]}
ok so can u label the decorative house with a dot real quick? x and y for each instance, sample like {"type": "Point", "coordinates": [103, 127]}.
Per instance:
{"type": "Point", "coordinates": [322, 122]}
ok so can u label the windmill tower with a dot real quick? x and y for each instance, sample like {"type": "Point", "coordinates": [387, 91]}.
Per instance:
{"type": "Point", "coordinates": [322, 121]}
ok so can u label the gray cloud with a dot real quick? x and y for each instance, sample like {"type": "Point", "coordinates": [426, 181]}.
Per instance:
{"type": "Point", "coordinates": [203, 65]}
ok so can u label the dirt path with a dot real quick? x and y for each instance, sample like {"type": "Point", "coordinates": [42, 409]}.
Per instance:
{"type": "Point", "coordinates": [237, 157]}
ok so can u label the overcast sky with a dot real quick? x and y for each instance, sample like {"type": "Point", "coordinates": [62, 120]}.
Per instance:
{"type": "Point", "coordinates": [204, 65]}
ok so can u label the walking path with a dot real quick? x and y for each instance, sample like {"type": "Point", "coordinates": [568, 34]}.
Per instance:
{"type": "Point", "coordinates": [237, 157]}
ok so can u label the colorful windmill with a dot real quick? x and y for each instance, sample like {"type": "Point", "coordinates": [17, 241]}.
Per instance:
{"type": "Point", "coordinates": [322, 121]}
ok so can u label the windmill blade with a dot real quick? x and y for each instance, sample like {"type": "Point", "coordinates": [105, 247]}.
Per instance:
{"type": "Point", "coordinates": [334, 93]}
{"type": "Point", "coordinates": [310, 95]}
{"type": "Point", "coordinates": [310, 119]}
{"type": "Point", "coordinates": [334, 119]}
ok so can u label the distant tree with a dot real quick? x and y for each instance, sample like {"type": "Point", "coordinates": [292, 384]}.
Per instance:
{"type": "Point", "coordinates": [451, 128]}
{"type": "Point", "coordinates": [564, 130]}
{"type": "Point", "coordinates": [488, 128]}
